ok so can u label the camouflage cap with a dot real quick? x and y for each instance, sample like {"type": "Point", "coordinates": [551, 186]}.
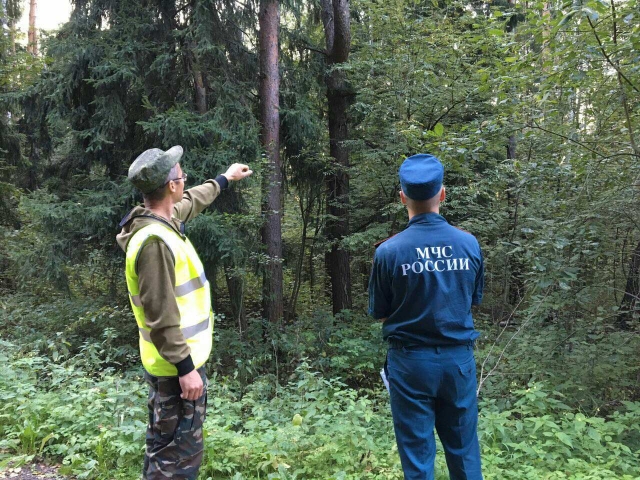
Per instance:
{"type": "Point", "coordinates": [149, 171]}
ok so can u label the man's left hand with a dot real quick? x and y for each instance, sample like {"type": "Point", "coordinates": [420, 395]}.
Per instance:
{"type": "Point", "coordinates": [191, 385]}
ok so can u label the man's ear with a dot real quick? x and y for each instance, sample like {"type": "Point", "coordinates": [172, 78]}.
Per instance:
{"type": "Point", "coordinates": [403, 198]}
{"type": "Point", "coordinates": [443, 194]}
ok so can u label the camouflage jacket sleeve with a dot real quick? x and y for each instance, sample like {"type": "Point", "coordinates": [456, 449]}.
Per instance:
{"type": "Point", "coordinates": [196, 199]}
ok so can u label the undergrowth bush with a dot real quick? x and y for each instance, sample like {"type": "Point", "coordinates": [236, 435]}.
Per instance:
{"type": "Point", "coordinates": [95, 425]}
{"type": "Point", "coordinates": [593, 365]}
{"type": "Point", "coordinates": [60, 327]}
{"type": "Point", "coordinates": [545, 438]}
{"type": "Point", "coordinates": [348, 346]}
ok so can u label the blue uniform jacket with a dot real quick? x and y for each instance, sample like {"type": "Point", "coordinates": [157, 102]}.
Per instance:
{"type": "Point", "coordinates": [424, 281]}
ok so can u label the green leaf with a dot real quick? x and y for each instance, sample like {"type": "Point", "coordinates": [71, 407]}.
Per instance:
{"type": "Point", "coordinates": [44, 441]}
{"type": "Point", "coordinates": [594, 434]}
{"type": "Point", "coordinates": [564, 438]}
{"type": "Point", "coordinates": [601, 6]}
{"type": "Point", "coordinates": [438, 129]}
{"type": "Point", "coordinates": [564, 21]}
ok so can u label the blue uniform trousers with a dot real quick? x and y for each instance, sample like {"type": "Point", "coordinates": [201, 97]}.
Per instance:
{"type": "Point", "coordinates": [435, 387]}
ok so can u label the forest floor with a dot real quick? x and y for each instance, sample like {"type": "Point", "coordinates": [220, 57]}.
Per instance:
{"type": "Point", "coordinates": [34, 471]}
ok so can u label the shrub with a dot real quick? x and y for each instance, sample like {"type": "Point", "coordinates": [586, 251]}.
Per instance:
{"type": "Point", "coordinates": [95, 425]}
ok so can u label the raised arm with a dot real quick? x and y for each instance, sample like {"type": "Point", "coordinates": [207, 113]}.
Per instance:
{"type": "Point", "coordinates": [196, 199]}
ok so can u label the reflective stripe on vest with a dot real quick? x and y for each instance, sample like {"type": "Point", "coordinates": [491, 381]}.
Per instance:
{"type": "Point", "coordinates": [187, 332]}
{"type": "Point", "coordinates": [192, 296]}
{"type": "Point", "coordinates": [180, 290]}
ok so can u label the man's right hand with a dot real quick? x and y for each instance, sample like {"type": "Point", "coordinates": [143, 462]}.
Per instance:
{"type": "Point", "coordinates": [237, 171]}
{"type": "Point", "coordinates": [191, 385]}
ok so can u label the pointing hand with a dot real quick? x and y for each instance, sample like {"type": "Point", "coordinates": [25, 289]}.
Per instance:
{"type": "Point", "coordinates": [237, 171]}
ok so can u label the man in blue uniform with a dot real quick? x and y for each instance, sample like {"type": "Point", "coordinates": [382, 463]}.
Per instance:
{"type": "Point", "coordinates": [423, 283]}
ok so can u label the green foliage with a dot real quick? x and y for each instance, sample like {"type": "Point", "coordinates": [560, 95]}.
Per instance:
{"type": "Point", "coordinates": [534, 111]}
{"type": "Point", "coordinates": [571, 358]}
{"type": "Point", "coordinates": [340, 434]}
{"type": "Point", "coordinates": [348, 347]}
{"type": "Point", "coordinates": [64, 238]}
{"type": "Point", "coordinates": [96, 425]}
{"type": "Point", "coordinates": [100, 336]}
{"type": "Point", "coordinates": [18, 71]}
{"type": "Point", "coordinates": [542, 434]}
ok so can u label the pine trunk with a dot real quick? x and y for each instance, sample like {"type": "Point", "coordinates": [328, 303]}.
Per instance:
{"type": "Point", "coordinates": [336, 20]}
{"type": "Point", "coordinates": [12, 35]}
{"type": "Point", "coordinates": [200, 91]}
{"type": "Point", "coordinates": [32, 47]}
{"type": "Point", "coordinates": [272, 296]}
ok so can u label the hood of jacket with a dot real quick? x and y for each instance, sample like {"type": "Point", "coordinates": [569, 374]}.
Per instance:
{"type": "Point", "coordinates": [138, 218]}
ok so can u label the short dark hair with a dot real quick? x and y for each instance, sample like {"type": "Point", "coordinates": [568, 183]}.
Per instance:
{"type": "Point", "coordinates": [155, 196]}
{"type": "Point", "coordinates": [424, 205]}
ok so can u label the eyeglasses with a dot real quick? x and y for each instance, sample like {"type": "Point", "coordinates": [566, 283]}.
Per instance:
{"type": "Point", "coordinates": [183, 178]}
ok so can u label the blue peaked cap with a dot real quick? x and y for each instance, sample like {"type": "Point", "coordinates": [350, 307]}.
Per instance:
{"type": "Point", "coordinates": [421, 176]}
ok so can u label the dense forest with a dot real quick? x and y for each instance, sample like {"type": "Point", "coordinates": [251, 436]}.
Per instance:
{"type": "Point", "coordinates": [532, 108]}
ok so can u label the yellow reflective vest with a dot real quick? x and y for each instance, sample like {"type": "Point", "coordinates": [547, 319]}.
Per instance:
{"type": "Point", "coordinates": [192, 295]}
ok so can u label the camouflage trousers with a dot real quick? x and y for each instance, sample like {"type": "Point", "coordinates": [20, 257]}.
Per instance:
{"type": "Point", "coordinates": [174, 433]}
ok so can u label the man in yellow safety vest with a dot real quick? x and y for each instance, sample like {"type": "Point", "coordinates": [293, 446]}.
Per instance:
{"type": "Point", "coordinates": [171, 301]}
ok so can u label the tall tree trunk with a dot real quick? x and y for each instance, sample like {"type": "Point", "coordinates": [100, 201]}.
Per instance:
{"type": "Point", "coordinates": [312, 252]}
{"type": "Point", "coordinates": [272, 297]}
{"type": "Point", "coordinates": [12, 35]}
{"type": "Point", "coordinates": [513, 278]}
{"type": "Point", "coordinates": [211, 269]}
{"type": "Point", "coordinates": [198, 81]}
{"type": "Point", "coordinates": [232, 203]}
{"type": "Point", "coordinates": [32, 46]}
{"type": "Point", "coordinates": [13, 11]}
{"type": "Point", "coordinates": [336, 20]}
{"type": "Point", "coordinates": [235, 285]}
{"type": "Point", "coordinates": [305, 213]}
{"type": "Point", "coordinates": [32, 182]}
{"type": "Point", "coordinates": [630, 305]}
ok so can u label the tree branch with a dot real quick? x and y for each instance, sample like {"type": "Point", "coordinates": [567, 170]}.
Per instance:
{"type": "Point", "coordinates": [611, 62]}
{"type": "Point", "coordinates": [535, 125]}
{"type": "Point", "coordinates": [446, 112]}
{"type": "Point", "coordinates": [311, 48]}
{"type": "Point", "coordinates": [530, 317]}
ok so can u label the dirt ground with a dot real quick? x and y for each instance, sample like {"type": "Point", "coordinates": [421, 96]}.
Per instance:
{"type": "Point", "coordinates": [34, 471]}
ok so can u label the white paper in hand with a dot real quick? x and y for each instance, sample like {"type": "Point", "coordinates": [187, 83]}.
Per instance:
{"type": "Point", "coordinates": [385, 380]}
